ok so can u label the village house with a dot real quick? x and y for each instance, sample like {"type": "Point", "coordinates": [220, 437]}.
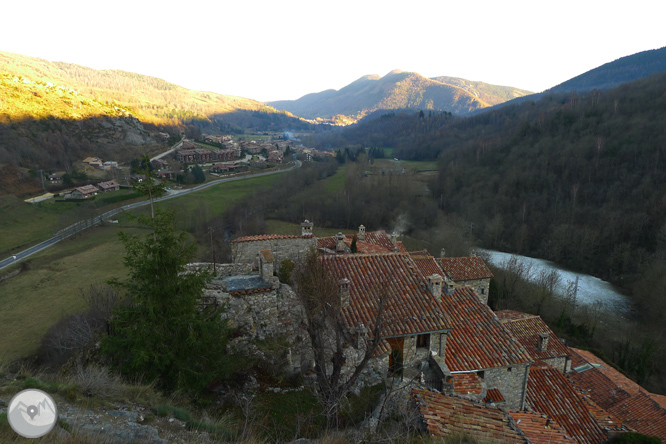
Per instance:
{"type": "Point", "coordinates": [275, 156]}
{"type": "Point", "coordinates": [55, 178]}
{"type": "Point", "coordinates": [470, 271]}
{"type": "Point", "coordinates": [83, 192]}
{"type": "Point", "coordinates": [111, 185]}
{"type": "Point", "coordinates": [505, 375]}
{"type": "Point", "coordinates": [537, 338]}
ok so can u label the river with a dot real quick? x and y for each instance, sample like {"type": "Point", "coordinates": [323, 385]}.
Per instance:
{"type": "Point", "coordinates": [590, 289]}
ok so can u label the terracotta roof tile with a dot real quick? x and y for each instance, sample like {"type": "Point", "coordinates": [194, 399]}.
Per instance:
{"type": "Point", "coordinates": [467, 384]}
{"type": "Point", "coordinates": [621, 397]}
{"type": "Point", "coordinates": [375, 242]}
{"type": "Point", "coordinates": [527, 330]}
{"type": "Point", "coordinates": [478, 340]}
{"type": "Point", "coordinates": [465, 268]}
{"type": "Point", "coordinates": [493, 396]}
{"type": "Point", "coordinates": [512, 315]}
{"type": "Point", "coordinates": [264, 237]}
{"type": "Point", "coordinates": [411, 309]}
{"type": "Point", "coordinates": [446, 415]}
{"type": "Point", "coordinates": [540, 429]}
{"type": "Point", "coordinates": [642, 413]}
{"type": "Point", "coordinates": [549, 392]}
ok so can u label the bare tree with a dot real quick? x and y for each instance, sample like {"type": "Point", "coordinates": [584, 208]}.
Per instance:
{"type": "Point", "coordinates": [319, 294]}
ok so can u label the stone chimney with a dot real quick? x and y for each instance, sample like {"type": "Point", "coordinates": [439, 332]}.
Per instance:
{"type": "Point", "coordinates": [542, 346]}
{"type": "Point", "coordinates": [435, 286]}
{"type": "Point", "coordinates": [345, 299]}
{"type": "Point", "coordinates": [266, 265]}
{"type": "Point", "coordinates": [306, 228]}
{"type": "Point", "coordinates": [449, 287]}
{"type": "Point", "coordinates": [442, 252]}
{"type": "Point", "coordinates": [361, 233]}
{"type": "Point", "coordinates": [340, 243]}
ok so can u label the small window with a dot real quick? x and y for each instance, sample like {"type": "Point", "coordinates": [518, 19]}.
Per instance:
{"type": "Point", "coordinates": [423, 341]}
{"type": "Point", "coordinates": [508, 369]}
{"type": "Point", "coordinates": [483, 291]}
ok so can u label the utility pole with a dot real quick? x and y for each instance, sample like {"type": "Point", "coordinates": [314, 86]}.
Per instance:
{"type": "Point", "coordinates": [41, 175]}
{"type": "Point", "coordinates": [210, 230]}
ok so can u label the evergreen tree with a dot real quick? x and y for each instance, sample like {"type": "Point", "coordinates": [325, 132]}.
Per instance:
{"type": "Point", "coordinates": [161, 333]}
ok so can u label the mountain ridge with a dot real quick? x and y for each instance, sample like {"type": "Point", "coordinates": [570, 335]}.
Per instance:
{"type": "Point", "coordinates": [399, 90]}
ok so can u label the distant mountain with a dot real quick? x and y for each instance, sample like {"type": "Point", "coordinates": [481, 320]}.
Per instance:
{"type": "Point", "coordinates": [617, 72]}
{"type": "Point", "coordinates": [399, 90]}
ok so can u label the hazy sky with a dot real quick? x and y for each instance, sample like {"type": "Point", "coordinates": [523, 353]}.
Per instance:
{"type": "Point", "coordinates": [273, 50]}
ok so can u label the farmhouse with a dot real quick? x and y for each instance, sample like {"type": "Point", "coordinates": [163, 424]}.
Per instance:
{"type": "Point", "coordinates": [83, 192]}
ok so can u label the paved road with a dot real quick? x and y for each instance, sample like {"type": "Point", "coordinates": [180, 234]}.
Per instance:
{"type": "Point", "coordinates": [83, 224]}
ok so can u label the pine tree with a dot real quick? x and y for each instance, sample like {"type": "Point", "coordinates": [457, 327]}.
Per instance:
{"type": "Point", "coordinates": [161, 333]}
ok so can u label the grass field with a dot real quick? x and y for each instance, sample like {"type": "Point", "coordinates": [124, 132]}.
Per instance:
{"type": "Point", "coordinates": [336, 183]}
{"type": "Point", "coordinates": [51, 287]}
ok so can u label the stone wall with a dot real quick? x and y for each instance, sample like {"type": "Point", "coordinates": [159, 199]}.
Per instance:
{"type": "Point", "coordinates": [511, 383]}
{"type": "Point", "coordinates": [481, 288]}
{"type": "Point", "coordinates": [292, 248]}
{"type": "Point", "coordinates": [560, 363]}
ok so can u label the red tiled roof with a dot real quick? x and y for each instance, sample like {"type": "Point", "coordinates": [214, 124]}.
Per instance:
{"type": "Point", "coordinates": [549, 392]}
{"type": "Point", "coordinates": [619, 395]}
{"type": "Point", "coordinates": [493, 395]}
{"type": "Point", "coordinates": [478, 340]}
{"type": "Point", "coordinates": [527, 330]}
{"type": "Point", "coordinates": [642, 413]}
{"type": "Point", "coordinates": [467, 384]}
{"type": "Point", "coordinates": [540, 429]}
{"type": "Point", "coordinates": [617, 379]}
{"type": "Point", "coordinates": [446, 415]}
{"type": "Point", "coordinates": [411, 309]}
{"type": "Point", "coordinates": [375, 242]}
{"type": "Point", "coordinates": [264, 237]}
{"type": "Point", "coordinates": [426, 263]}
{"type": "Point", "coordinates": [465, 268]}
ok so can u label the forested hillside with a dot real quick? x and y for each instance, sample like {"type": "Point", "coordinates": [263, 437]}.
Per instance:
{"type": "Point", "coordinates": [576, 179]}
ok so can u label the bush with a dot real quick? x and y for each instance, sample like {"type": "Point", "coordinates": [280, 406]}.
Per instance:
{"type": "Point", "coordinates": [285, 270]}
{"type": "Point", "coordinates": [98, 381]}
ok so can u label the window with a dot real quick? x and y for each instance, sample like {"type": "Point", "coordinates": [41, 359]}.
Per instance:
{"type": "Point", "coordinates": [423, 341]}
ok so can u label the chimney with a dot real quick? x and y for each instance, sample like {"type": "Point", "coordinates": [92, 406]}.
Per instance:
{"type": "Point", "coordinates": [361, 233]}
{"type": "Point", "coordinates": [442, 252]}
{"type": "Point", "coordinates": [266, 263]}
{"type": "Point", "coordinates": [306, 228]}
{"type": "Point", "coordinates": [435, 286]}
{"type": "Point", "coordinates": [449, 288]}
{"type": "Point", "coordinates": [340, 243]}
{"type": "Point", "coordinates": [543, 342]}
{"type": "Point", "coordinates": [345, 299]}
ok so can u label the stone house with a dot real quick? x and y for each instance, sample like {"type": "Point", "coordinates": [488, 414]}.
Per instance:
{"type": "Point", "coordinates": [537, 338]}
{"type": "Point", "coordinates": [433, 329]}
{"type": "Point", "coordinates": [470, 271]}
{"type": "Point", "coordinates": [245, 249]}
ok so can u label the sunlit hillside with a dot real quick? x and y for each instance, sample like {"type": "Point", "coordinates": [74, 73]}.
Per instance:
{"type": "Point", "coordinates": [150, 99]}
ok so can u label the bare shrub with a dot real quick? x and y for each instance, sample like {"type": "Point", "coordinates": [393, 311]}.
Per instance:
{"type": "Point", "coordinates": [98, 382]}
{"type": "Point", "coordinates": [75, 333]}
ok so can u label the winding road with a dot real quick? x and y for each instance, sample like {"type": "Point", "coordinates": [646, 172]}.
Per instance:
{"type": "Point", "coordinates": [83, 224]}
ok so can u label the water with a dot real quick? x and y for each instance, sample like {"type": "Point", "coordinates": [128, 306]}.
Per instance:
{"type": "Point", "coordinates": [591, 290]}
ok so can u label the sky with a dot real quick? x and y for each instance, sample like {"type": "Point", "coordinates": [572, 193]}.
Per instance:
{"type": "Point", "coordinates": [279, 50]}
